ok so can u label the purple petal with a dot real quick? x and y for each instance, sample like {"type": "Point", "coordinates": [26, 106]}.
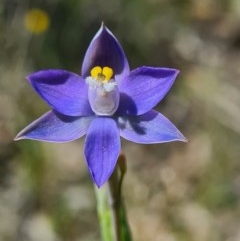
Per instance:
{"type": "Point", "coordinates": [54, 127]}
{"type": "Point", "coordinates": [102, 148]}
{"type": "Point", "coordinates": [148, 128]}
{"type": "Point", "coordinates": [64, 91]}
{"type": "Point", "coordinates": [105, 50]}
{"type": "Point", "coordinates": [144, 88]}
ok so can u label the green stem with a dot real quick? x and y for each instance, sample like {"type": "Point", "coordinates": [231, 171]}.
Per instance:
{"type": "Point", "coordinates": [115, 203]}
{"type": "Point", "coordinates": [111, 211]}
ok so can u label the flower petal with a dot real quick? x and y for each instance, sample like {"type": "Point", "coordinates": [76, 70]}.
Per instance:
{"type": "Point", "coordinates": [102, 147]}
{"type": "Point", "coordinates": [145, 87]}
{"type": "Point", "coordinates": [64, 91]}
{"type": "Point", "coordinates": [54, 127]}
{"type": "Point", "coordinates": [105, 50]}
{"type": "Point", "coordinates": [148, 128]}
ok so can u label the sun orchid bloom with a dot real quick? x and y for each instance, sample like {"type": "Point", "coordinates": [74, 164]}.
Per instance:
{"type": "Point", "coordinates": [107, 101]}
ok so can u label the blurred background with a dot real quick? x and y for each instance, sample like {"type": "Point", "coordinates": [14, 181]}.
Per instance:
{"type": "Point", "coordinates": [174, 191]}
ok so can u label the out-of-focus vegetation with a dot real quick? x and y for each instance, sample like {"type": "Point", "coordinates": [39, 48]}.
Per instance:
{"type": "Point", "coordinates": [173, 192]}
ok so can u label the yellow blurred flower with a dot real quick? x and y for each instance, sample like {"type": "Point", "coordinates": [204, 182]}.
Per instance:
{"type": "Point", "coordinates": [36, 21]}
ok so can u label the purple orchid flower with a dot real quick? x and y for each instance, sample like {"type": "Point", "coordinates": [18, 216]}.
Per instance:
{"type": "Point", "coordinates": [106, 102]}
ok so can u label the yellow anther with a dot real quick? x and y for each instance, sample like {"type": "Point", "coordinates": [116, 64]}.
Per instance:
{"type": "Point", "coordinates": [107, 72]}
{"type": "Point", "coordinates": [96, 71]}
{"type": "Point", "coordinates": [101, 74]}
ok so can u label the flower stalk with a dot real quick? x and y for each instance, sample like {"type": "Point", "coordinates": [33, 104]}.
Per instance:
{"type": "Point", "coordinates": [111, 210]}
